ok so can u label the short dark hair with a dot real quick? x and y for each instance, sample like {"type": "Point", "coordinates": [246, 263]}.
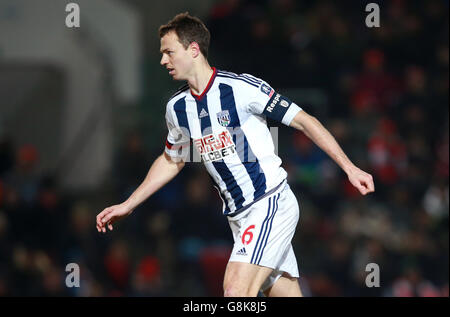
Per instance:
{"type": "Point", "coordinates": [188, 29]}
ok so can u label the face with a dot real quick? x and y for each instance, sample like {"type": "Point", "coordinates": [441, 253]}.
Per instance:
{"type": "Point", "coordinates": [175, 58]}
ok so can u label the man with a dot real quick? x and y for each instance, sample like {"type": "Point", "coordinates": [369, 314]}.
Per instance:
{"type": "Point", "coordinates": [224, 116]}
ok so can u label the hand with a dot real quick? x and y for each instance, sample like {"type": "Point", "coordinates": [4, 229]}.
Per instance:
{"type": "Point", "coordinates": [361, 180]}
{"type": "Point", "coordinates": [110, 215]}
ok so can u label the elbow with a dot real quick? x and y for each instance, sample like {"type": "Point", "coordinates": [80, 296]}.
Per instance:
{"type": "Point", "coordinates": [298, 126]}
{"type": "Point", "coordinates": [178, 162]}
{"type": "Point", "coordinates": [296, 123]}
{"type": "Point", "coordinates": [310, 117]}
{"type": "Point", "coordinates": [302, 120]}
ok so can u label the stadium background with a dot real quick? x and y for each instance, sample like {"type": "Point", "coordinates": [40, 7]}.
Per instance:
{"type": "Point", "coordinates": [82, 118]}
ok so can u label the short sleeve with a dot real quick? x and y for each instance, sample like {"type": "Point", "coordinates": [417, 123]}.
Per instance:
{"type": "Point", "coordinates": [178, 140]}
{"type": "Point", "coordinates": [266, 101]}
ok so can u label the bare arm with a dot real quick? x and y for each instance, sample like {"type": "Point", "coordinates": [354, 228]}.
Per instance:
{"type": "Point", "coordinates": [323, 139]}
{"type": "Point", "coordinates": [161, 172]}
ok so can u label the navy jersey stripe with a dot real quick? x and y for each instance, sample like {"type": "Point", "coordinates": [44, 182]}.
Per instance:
{"type": "Point", "coordinates": [266, 225]}
{"type": "Point", "coordinates": [253, 168]}
{"type": "Point", "coordinates": [263, 226]}
{"type": "Point", "coordinates": [238, 78]}
{"type": "Point", "coordinates": [253, 79]}
{"type": "Point", "coordinates": [205, 121]}
{"type": "Point", "coordinates": [258, 178]}
{"type": "Point", "coordinates": [220, 166]}
{"type": "Point", "coordinates": [232, 186]}
{"type": "Point", "coordinates": [180, 111]}
{"type": "Point", "coordinates": [275, 209]}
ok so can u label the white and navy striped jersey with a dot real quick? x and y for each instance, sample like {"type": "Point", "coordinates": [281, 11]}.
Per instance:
{"type": "Point", "coordinates": [227, 126]}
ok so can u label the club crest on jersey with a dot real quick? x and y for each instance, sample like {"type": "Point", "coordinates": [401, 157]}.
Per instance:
{"type": "Point", "coordinates": [224, 118]}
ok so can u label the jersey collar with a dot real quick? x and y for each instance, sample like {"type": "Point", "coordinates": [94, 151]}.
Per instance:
{"type": "Point", "coordinates": [211, 80]}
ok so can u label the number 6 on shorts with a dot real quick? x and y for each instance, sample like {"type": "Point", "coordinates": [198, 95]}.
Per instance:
{"type": "Point", "coordinates": [249, 234]}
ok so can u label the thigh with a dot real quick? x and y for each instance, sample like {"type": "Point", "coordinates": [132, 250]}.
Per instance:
{"type": "Point", "coordinates": [285, 286]}
{"type": "Point", "coordinates": [245, 279]}
{"type": "Point", "coordinates": [287, 267]}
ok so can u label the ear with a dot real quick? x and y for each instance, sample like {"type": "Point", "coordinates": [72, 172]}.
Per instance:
{"type": "Point", "coordinates": [195, 49]}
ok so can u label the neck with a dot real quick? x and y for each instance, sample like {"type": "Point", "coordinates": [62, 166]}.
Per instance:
{"type": "Point", "coordinates": [200, 78]}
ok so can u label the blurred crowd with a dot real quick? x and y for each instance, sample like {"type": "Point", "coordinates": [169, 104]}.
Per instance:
{"type": "Point", "coordinates": [387, 92]}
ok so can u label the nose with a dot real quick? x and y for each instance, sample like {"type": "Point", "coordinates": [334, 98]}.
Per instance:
{"type": "Point", "coordinates": [163, 60]}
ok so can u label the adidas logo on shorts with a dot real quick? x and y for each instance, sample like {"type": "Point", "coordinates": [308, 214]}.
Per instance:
{"type": "Point", "coordinates": [241, 252]}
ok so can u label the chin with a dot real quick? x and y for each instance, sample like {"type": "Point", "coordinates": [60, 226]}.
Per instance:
{"type": "Point", "coordinates": [177, 76]}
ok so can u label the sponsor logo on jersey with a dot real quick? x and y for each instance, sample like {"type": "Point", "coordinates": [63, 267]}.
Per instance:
{"type": "Point", "coordinates": [203, 113]}
{"type": "Point", "coordinates": [215, 147]}
{"type": "Point", "coordinates": [274, 103]}
{"type": "Point", "coordinates": [224, 118]}
{"type": "Point", "coordinates": [277, 100]}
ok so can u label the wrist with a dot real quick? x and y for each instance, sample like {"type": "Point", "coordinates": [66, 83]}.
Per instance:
{"type": "Point", "coordinates": [349, 168]}
{"type": "Point", "coordinates": [128, 205]}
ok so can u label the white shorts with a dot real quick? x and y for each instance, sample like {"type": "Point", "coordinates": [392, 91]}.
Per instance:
{"type": "Point", "coordinates": [263, 234]}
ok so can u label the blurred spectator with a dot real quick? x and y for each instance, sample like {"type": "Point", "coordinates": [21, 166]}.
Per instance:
{"type": "Point", "coordinates": [118, 266]}
{"type": "Point", "coordinates": [161, 243]}
{"type": "Point", "coordinates": [436, 199]}
{"type": "Point", "coordinates": [442, 156]}
{"type": "Point", "coordinates": [306, 160]}
{"type": "Point", "coordinates": [387, 153]}
{"type": "Point", "coordinates": [6, 238]}
{"type": "Point", "coordinates": [23, 177]}
{"type": "Point", "coordinates": [147, 279]}
{"type": "Point", "coordinates": [132, 164]}
{"type": "Point", "coordinates": [412, 284]}
{"type": "Point", "coordinates": [213, 261]}
{"type": "Point", "coordinates": [382, 86]}
{"type": "Point", "coordinates": [204, 206]}
{"type": "Point", "coordinates": [6, 155]}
